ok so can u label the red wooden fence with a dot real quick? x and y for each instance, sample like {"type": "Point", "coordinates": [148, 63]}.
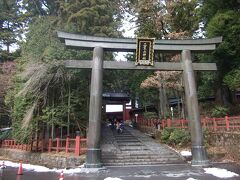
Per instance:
{"type": "Point", "coordinates": [13, 145]}
{"type": "Point", "coordinates": [225, 124]}
{"type": "Point", "coordinates": [77, 146]}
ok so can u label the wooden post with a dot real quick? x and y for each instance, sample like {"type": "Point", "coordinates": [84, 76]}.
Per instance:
{"type": "Point", "coordinates": [204, 123]}
{"type": "Point", "coordinates": [67, 144]}
{"type": "Point", "coordinates": [163, 124]}
{"type": "Point", "coordinates": [49, 145]}
{"type": "Point", "coordinates": [214, 124]}
{"type": "Point", "coordinates": [168, 122]}
{"type": "Point", "coordinates": [77, 145]}
{"type": "Point", "coordinates": [31, 146]}
{"type": "Point", "coordinates": [37, 143]}
{"type": "Point", "coordinates": [42, 144]}
{"type": "Point", "coordinates": [58, 143]}
{"type": "Point", "coordinates": [80, 148]}
{"type": "Point", "coordinates": [227, 123]}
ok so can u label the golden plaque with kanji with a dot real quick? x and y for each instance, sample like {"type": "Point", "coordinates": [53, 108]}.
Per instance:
{"type": "Point", "coordinates": [145, 51]}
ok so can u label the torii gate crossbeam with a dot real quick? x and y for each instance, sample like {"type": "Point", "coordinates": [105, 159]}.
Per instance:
{"type": "Point", "coordinates": [99, 44]}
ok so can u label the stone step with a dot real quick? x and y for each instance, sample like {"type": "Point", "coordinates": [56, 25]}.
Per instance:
{"type": "Point", "coordinates": [137, 157]}
{"type": "Point", "coordinates": [139, 160]}
{"type": "Point", "coordinates": [133, 148]}
{"type": "Point", "coordinates": [127, 140]}
{"type": "Point", "coordinates": [130, 144]}
{"type": "Point", "coordinates": [125, 137]}
{"type": "Point", "coordinates": [142, 163]}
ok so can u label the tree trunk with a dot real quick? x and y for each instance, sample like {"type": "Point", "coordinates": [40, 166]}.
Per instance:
{"type": "Point", "coordinates": [166, 104]}
{"type": "Point", "coordinates": [223, 96]}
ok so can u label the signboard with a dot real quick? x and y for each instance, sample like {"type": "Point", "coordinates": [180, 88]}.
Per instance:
{"type": "Point", "coordinates": [145, 51]}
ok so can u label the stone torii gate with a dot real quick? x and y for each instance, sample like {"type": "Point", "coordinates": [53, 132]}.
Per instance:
{"type": "Point", "coordinates": [99, 44]}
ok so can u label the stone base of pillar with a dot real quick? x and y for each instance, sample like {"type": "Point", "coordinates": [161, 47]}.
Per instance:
{"type": "Point", "coordinates": [199, 156]}
{"type": "Point", "coordinates": [93, 158]}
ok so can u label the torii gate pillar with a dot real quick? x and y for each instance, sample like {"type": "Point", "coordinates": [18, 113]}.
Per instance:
{"type": "Point", "coordinates": [199, 154]}
{"type": "Point", "coordinates": [93, 159]}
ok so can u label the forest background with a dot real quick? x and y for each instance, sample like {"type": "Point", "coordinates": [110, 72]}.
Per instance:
{"type": "Point", "coordinates": [38, 91]}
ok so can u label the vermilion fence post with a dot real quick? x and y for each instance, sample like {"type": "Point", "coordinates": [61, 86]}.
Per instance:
{"type": "Point", "coordinates": [214, 124]}
{"type": "Point", "coordinates": [204, 123]}
{"type": "Point", "coordinates": [80, 149]}
{"type": "Point", "coordinates": [49, 145]}
{"type": "Point", "coordinates": [163, 124]}
{"type": "Point", "coordinates": [227, 123]}
{"type": "Point", "coordinates": [58, 143]}
{"type": "Point", "coordinates": [67, 144]}
{"type": "Point", "coordinates": [169, 122]}
{"type": "Point", "coordinates": [77, 145]}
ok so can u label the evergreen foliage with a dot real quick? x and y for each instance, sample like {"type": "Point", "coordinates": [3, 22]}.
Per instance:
{"type": "Point", "coordinates": [176, 137]}
{"type": "Point", "coordinates": [221, 18]}
{"type": "Point", "coordinates": [45, 92]}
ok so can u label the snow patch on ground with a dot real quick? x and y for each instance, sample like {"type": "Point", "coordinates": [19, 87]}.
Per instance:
{"type": "Point", "coordinates": [175, 175]}
{"type": "Point", "coordinates": [111, 178]}
{"type": "Point", "coordinates": [37, 168]}
{"type": "Point", "coordinates": [191, 179]}
{"type": "Point", "coordinates": [186, 153]}
{"type": "Point", "coordinates": [221, 173]}
{"type": "Point", "coordinates": [143, 176]}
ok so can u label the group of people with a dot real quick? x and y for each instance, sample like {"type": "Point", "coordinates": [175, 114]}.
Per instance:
{"type": "Point", "coordinates": [116, 124]}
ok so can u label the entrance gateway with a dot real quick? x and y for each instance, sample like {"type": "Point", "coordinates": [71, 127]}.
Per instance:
{"type": "Point", "coordinates": [99, 44]}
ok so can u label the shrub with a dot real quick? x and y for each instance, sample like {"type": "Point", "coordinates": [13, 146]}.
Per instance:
{"type": "Point", "coordinates": [149, 115]}
{"type": "Point", "coordinates": [219, 111]}
{"type": "Point", "coordinates": [165, 135]}
{"type": "Point", "coordinates": [173, 136]}
{"type": "Point", "coordinates": [5, 135]}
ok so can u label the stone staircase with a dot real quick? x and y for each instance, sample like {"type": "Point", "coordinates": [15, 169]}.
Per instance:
{"type": "Point", "coordinates": [134, 148]}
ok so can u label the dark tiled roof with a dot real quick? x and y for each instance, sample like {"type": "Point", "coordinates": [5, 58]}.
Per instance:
{"type": "Point", "coordinates": [116, 96]}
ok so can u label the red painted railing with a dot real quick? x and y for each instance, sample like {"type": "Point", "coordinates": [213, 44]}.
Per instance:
{"type": "Point", "coordinates": [13, 145]}
{"type": "Point", "coordinates": [77, 146]}
{"type": "Point", "coordinates": [226, 123]}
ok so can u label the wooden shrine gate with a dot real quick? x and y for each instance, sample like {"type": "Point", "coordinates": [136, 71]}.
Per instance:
{"type": "Point", "coordinates": [100, 44]}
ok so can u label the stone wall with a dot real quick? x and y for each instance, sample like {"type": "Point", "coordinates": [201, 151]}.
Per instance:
{"type": "Point", "coordinates": [44, 159]}
{"type": "Point", "coordinates": [228, 140]}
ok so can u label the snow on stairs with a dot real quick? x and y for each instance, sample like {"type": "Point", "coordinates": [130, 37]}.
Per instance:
{"type": "Point", "coordinates": [137, 150]}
